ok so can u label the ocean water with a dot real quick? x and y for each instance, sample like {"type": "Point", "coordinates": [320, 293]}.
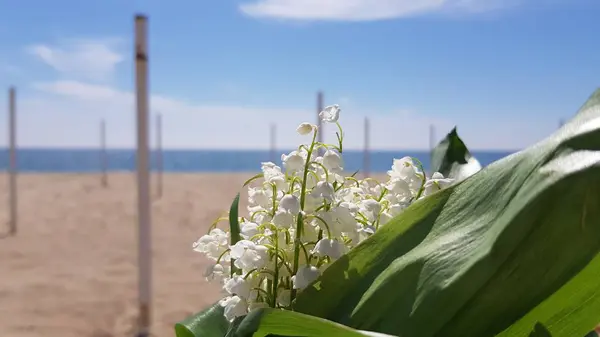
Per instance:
{"type": "Point", "coordinates": [88, 160]}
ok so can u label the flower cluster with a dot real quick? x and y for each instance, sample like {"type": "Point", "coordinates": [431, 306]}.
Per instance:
{"type": "Point", "coordinates": [302, 217]}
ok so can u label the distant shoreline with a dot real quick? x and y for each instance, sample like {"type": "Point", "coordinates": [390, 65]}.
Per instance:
{"type": "Point", "coordinates": [200, 161]}
{"type": "Point", "coordinates": [278, 150]}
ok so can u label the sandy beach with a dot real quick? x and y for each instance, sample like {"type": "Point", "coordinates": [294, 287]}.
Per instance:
{"type": "Point", "coordinates": [71, 270]}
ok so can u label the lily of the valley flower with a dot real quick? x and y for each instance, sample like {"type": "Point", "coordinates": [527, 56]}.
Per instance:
{"type": "Point", "coordinates": [272, 174]}
{"type": "Point", "coordinates": [329, 247]}
{"type": "Point", "coordinates": [333, 161]}
{"type": "Point", "coordinates": [248, 230]}
{"type": "Point", "coordinates": [324, 189]}
{"type": "Point", "coordinates": [290, 204]}
{"type": "Point", "coordinates": [370, 208]}
{"type": "Point", "coordinates": [234, 307]}
{"type": "Point", "coordinates": [238, 286]}
{"type": "Point", "coordinates": [213, 244]}
{"type": "Point", "coordinates": [330, 114]}
{"type": "Point", "coordinates": [436, 183]}
{"type": "Point", "coordinates": [305, 276]}
{"type": "Point", "coordinates": [293, 162]}
{"type": "Point", "coordinates": [249, 256]}
{"type": "Point", "coordinates": [305, 128]}
{"type": "Point", "coordinates": [215, 272]}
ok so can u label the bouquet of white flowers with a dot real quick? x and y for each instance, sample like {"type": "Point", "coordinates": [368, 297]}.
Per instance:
{"type": "Point", "coordinates": [508, 250]}
{"type": "Point", "coordinates": [301, 219]}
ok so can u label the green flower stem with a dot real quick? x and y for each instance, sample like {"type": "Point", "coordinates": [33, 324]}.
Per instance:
{"type": "Point", "coordinates": [223, 254]}
{"type": "Point", "coordinates": [340, 136]}
{"type": "Point", "coordinates": [216, 223]}
{"type": "Point", "coordinates": [324, 170]}
{"type": "Point", "coordinates": [324, 223]}
{"type": "Point", "coordinates": [300, 215]}
{"type": "Point", "coordinates": [276, 276]}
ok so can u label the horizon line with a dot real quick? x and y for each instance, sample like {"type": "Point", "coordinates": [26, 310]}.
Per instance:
{"type": "Point", "coordinates": [83, 148]}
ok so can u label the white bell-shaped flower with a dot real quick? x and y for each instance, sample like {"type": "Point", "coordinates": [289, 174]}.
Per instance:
{"type": "Point", "coordinates": [248, 230]}
{"type": "Point", "coordinates": [284, 219]}
{"type": "Point", "coordinates": [237, 285]}
{"type": "Point", "coordinates": [329, 247]}
{"type": "Point", "coordinates": [305, 128]}
{"type": "Point", "coordinates": [370, 208]}
{"type": "Point", "coordinates": [272, 174]}
{"type": "Point", "coordinates": [324, 190]}
{"type": "Point", "coordinates": [333, 161]}
{"type": "Point", "coordinates": [330, 114]}
{"type": "Point", "coordinates": [436, 183]}
{"type": "Point", "coordinates": [259, 197]}
{"type": "Point", "coordinates": [213, 244]}
{"type": "Point", "coordinates": [305, 276]}
{"type": "Point", "coordinates": [293, 162]}
{"type": "Point", "coordinates": [234, 307]}
{"type": "Point", "coordinates": [290, 204]}
{"type": "Point", "coordinates": [215, 272]}
{"type": "Point", "coordinates": [249, 256]}
{"type": "Point", "coordinates": [283, 298]}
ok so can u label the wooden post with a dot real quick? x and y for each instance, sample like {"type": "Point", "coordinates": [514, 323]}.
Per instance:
{"type": "Point", "coordinates": [103, 156]}
{"type": "Point", "coordinates": [366, 155]}
{"type": "Point", "coordinates": [319, 122]}
{"type": "Point", "coordinates": [12, 165]}
{"type": "Point", "coordinates": [272, 145]}
{"type": "Point", "coordinates": [159, 156]}
{"type": "Point", "coordinates": [431, 137]}
{"type": "Point", "coordinates": [432, 144]}
{"type": "Point", "coordinates": [143, 178]}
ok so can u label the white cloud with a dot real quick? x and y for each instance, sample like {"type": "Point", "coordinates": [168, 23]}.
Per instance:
{"type": "Point", "coordinates": [90, 59]}
{"type": "Point", "coordinates": [363, 10]}
{"type": "Point", "coordinates": [67, 114]}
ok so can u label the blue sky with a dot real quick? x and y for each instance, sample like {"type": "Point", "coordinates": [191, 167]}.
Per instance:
{"type": "Point", "coordinates": [221, 71]}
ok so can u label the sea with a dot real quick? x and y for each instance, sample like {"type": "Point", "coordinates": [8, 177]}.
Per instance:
{"type": "Point", "coordinates": [89, 160]}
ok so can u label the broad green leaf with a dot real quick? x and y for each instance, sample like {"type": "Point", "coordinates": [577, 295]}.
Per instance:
{"type": "Point", "coordinates": [233, 326]}
{"type": "Point", "coordinates": [207, 323]}
{"type": "Point", "coordinates": [452, 158]}
{"type": "Point", "coordinates": [539, 330]}
{"type": "Point", "coordinates": [515, 245]}
{"type": "Point", "coordinates": [268, 321]}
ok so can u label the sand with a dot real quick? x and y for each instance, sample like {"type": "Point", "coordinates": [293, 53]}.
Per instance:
{"type": "Point", "coordinates": [71, 270]}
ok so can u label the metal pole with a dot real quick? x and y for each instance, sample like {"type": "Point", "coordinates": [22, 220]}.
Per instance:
{"type": "Point", "coordinates": [367, 159]}
{"type": "Point", "coordinates": [319, 122]}
{"type": "Point", "coordinates": [272, 146]}
{"type": "Point", "coordinates": [12, 166]}
{"type": "Point", "coordinates": [159, 155]}
{"type": "Point", "coordinates": [143, 178]}
{"type": "Point", "coordinates": [103, 159]}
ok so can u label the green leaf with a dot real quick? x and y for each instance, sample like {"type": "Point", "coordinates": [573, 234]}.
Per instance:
{"type": "Point", "coordinates": [234, 226]}
{"type": "Point", "coordinates": [452, 158]}
{"type": "Point", "coordinates": [268, 321]}
{"type": "Point", "coordinates": [514, 245]}
{"type": "Point", "coordinates": [234, 221]}
{"type": "Point", "coordinates": [539, 330]}
{"type": "Point", "coordinates": [207, 323]}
